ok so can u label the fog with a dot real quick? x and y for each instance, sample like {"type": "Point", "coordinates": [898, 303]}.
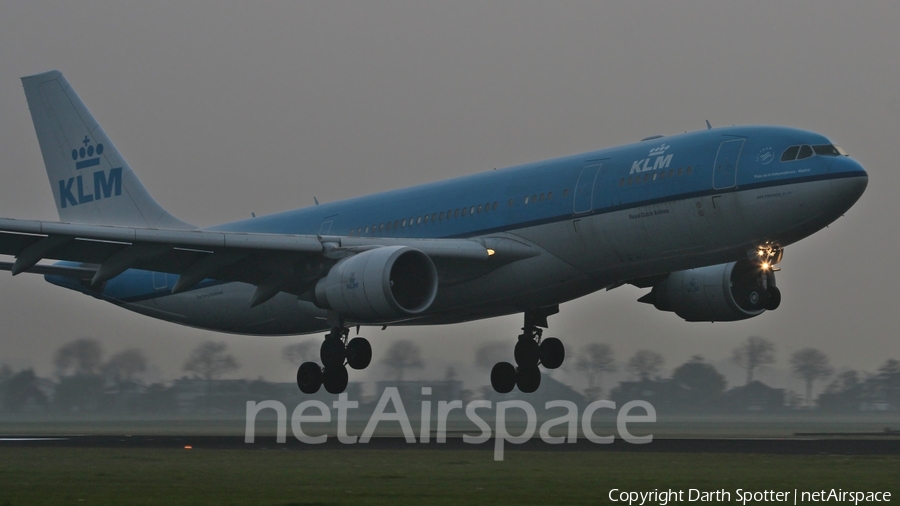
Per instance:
{"type": "Point", "coordinates": [226, 109]}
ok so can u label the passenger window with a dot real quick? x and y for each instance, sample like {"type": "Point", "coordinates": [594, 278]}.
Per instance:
{"type": "Point", "coordinates": [480, 208]}
{"type": "Point", "coordinates": [388, 227]}
{"type": "Point", "coordinates": [510, 203]}
{"type": "Point", "coordinates": [805, 152]}
{"type": "Point", "coordinates": [403, 223]}
{"type": "Point", "coordinates": [671, 172]}
{"type": "Point", "coordinates": [351, 231]}
{"type": "Point", "coordinates": [679, 171]}
{"type": "Point", "coordinates": [396, 223]}
{"type": "Point", "coordinates": [565, 192]}
{"type": "Point", "coordinates": [629, 180]}
{"type": "Point", "coordinates": [534, 198]}
{"type": "Point", "coordinates": [690, 169]}
{"type": "Point", "coordinates": [790, 154]}
{"type": "Point", "coordinates": [419, 220]}
{"type": "Point", "coordinates": [367, 230]}
{"type": "Point", "coordinates": [433, 217]}
{"type": "Point", "coordinates": [550, 196]}
{"type": "Point", "coordinates": [662, 174]}
{"type": "Point", "coordinates": [542, 197]}
{"type": "Point", "coordinates": [495, 206]}
{"type": "Point", "coordinates": [426, 219]}
{"type": "Point", "coordinates": [646, 177]}
{"type": "Point", "coordinates": [654, 176]}
{"type": "Point", "coordinates": [526, 199]}
{"type": "Point", "coordinates": [621, 183]}
{"type": "Point", "coordinates": [472, 210]}
{"type": "Point", "coordinates": [456, 213]}
{"type": "Point", "coordinates": [441, 216]}
{"type": "Point", "coordinates": [381, 227]}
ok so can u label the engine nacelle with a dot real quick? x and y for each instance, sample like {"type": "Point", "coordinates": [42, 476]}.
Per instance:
{"type": "Point", "coordinates": [725, 292]}
{"type": "Point", "coordinates": [380, 284]}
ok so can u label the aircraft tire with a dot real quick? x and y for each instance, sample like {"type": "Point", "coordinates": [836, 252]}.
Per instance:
{"type": "Point", "coordinates": [335, 379]}
{"type": "Point", "coordinates": [332, 352]}
{"type": "Point", "coordinates": [774, 298]}
{"type": "Point", "coordinates": [552, 353]}
{"type": "Point", "coordinates": [503, 377]}
{"type": "Point", "coordinates": [309, 377]}
{"type": "Point", "coordinates": [527, 352]}
{"type": "Point", "coordinates": [528, 379]}
{"type": "Point", "coordinates": [359, 353]}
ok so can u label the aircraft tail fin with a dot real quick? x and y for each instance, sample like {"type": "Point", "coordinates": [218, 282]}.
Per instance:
{"type": "Point", "coordinates": [91, 181]}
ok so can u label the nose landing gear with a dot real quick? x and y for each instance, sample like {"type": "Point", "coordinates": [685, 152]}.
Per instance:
{"type": "Point", "coordinates": [336, 354]}
{"type": "Point", "coordinates": [767, 256]}
{"type": "Point", "coordinates": [531, 351]}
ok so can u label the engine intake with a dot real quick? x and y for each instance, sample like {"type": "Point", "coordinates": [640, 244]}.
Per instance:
{"type": "Point", "coordinates": [380, 284]}
{"type": "Point", "coordinates": [725, 292]}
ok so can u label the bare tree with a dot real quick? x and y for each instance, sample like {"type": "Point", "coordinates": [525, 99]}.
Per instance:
{"type": "Point", "coordinates": [125, 365]}
{"type": "Point", "coordinates": [754, 353]}
{"type": "Point", "coordinates": [645, 363]}
{"type": "Point", "coordinates": [596, 359]}
{"type": "Point", "coordinates": [210, 361]}
{"type": "Point", "coordinates": [403, 355]}
{"type": "Point", "coordinates": [81, 357]}
{"type": "Point", "coordinates": [304, 351]}
{"type": "Point", "coordinates": [810, 364]}
{"type": "Point", "coordinates": [892, 366]}
{"type": "Point", "coordinates": [490, 353]}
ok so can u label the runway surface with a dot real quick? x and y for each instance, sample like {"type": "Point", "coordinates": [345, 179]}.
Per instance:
{"type": "Point", "coordinates": [787, 446]}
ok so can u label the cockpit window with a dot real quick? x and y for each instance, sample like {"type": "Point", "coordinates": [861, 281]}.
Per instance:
{"type": "Point", "coordinates": [806, 151]}
{"type": "Point", "coordinates": [790, 154]}
{"type": "Point", "coordinates": [829, 150]}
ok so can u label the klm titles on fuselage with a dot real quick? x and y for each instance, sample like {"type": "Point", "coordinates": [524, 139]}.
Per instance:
{"type": "Point", "coordinates": [99, 185]}
{"type": "Point", "coordinates": [656, 160]}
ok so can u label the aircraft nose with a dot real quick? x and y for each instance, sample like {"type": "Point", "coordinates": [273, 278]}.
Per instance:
{"type": "Point", "coordinates": [855, 179]}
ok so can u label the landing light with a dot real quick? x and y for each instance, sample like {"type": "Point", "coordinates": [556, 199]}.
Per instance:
{"type": "Point", "coordinates": [765, 266]}
{"type": "Point", "coordinates": [490, 252]}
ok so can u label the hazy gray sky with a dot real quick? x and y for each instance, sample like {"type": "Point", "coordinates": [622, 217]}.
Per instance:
{"type": "Point", "coordinates": [227, 108]}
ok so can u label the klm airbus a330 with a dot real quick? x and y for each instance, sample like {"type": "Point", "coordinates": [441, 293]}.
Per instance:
{"type": "Point", "coordinates": [699, 218]}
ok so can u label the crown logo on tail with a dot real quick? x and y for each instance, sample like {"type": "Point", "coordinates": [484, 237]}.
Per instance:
{"type": "Point", "coordinates": [84, 156]}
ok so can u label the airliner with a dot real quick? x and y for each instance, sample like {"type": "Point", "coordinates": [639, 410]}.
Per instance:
{"type": "Point", "coordinates": [700, 219]}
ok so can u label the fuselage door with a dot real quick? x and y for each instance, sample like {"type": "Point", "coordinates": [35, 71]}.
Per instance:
{"type": "Point", "coordinates": [584, 189]}
{"type": "Point", "coordinates": [726, 166]}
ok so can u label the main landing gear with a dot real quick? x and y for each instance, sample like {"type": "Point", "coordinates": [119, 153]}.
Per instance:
{"type": "Point", "coordinates": [336, 353]}
{"type": "Point", "coordinates": [531, 351]}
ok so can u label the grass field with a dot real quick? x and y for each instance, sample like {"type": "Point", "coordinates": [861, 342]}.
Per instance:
{"type": "Point", "coordinates": [97, 476]}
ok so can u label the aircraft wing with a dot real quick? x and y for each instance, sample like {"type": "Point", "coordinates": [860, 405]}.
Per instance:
{"type": "Point", "coordinates": [273, 262]}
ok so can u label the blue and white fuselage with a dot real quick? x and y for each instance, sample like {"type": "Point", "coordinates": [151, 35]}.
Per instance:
{"type": "Point", "coordinates": [597, 220]}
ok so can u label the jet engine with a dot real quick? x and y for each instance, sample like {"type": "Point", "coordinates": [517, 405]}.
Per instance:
{"type": "Point", "coordinates": [725, 292]}
{"type": "Point", "coordinates": [379, 284]}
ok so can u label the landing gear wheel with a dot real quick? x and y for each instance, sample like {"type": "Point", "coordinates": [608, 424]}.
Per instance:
{"type": "Point", "coordinates": [774, 298]}
{"type": "Point", "coordinates": [335, 379]}
{"type": "Point", "coordinates": [503, 377]}
{"type": "Point", "coordinates": [332, 352]}
{"type": "Point", "coordinates": [552, 353]}
{"type": "Point", "coordinates": [359, 353]}
{"type": "Point", "coordinates": [309, 377]}
{"type": "Point", "coordinates": [527, 352]}
{"type": "Point", "coordinates": [528, 379]}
